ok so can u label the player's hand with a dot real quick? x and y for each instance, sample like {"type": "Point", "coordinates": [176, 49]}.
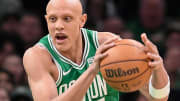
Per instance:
{"type": "Point", "coordinates": [101, 53]}
{"type": "Point", "coordinates": [152, 53]}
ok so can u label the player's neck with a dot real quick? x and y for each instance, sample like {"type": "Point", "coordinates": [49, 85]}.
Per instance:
{"type": "Point", "coordinates": [75, 53]}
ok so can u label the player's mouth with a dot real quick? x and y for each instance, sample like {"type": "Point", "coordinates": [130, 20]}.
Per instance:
{"type": "Point", "coordinates": [60, 39]}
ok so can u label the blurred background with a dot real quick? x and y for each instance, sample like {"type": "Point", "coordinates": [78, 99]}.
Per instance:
{"type": "Point", "coordinates": [22, 24]}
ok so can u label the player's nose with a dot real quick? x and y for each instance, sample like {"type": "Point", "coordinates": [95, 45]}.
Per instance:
{"type": "Point", "coordinates": [59, 25]}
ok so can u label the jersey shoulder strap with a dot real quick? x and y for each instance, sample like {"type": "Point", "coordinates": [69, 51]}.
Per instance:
{"type": "Point", "coordinates": [92, 36]}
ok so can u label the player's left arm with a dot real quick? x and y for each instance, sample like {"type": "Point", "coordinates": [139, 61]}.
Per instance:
{"type": "Point", "coordinates": [159, 74]}
{"type": "Point", "coordinates": [159, 90]}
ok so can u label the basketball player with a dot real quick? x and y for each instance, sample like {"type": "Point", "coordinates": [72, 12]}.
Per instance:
{"type": "Point", "coordinates": [64, 65]}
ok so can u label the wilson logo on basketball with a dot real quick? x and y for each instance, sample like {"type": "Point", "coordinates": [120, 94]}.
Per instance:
{"type": "Point", "coordinates": [119, 72]}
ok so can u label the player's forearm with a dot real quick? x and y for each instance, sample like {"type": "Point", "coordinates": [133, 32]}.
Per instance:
{"type": "Point", "coordinates": [78, 90]}
{"type": "Point", "coordinates": [159, 78]}
{"type": "Point", "coordinates": [159, 81]}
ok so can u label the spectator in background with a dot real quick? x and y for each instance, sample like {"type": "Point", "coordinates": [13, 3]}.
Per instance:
{"type": "Point", "coordinates": [10, 6]}
{"type": "Point", "coordinates": [6, 80]}
{"type": "Point", "coordinates": [4, 95]}
{"type": "Point", "coordinates": [96, 13]}
{"type": "Point", "coordinates": [13, 63]}
{"type": "Point", "coordinates": [152, 13]}
{"type": "Point", "coordinates": [9, 23]}
{"type": "Point", "coordinates": [173, 35]}
{"type": "Point", "coordinates": [9, 44]}
{"type": "Point", "coordinates": [116, 25]}
{"type": "Point", "coordinates": [152, 21]}
{"type": "Point", "coordinates": [21, 93]}
{"type": "Point", "coordinates": [30, 29]}
{"type": "Point", "coordinates": [172, 64]}
{"type": "Point", "coordinates": [173, 39]}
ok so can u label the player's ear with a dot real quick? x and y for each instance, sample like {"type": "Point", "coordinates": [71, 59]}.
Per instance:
{"type": "Point", "coordinates": [83, 20]}
{"type": "Point", "coordinates": [45, 16]}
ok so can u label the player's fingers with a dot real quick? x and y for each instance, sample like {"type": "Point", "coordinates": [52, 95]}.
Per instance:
{"type": "Point", "coordinates": [111, 40]}
{"type": "Point", "coordinates": [145, 39]}
{"type": "Point", "coordinates": [103, 55]}
{"type": "Point", "coordinates": [145, 49]}
{"type": "Point", "coordinates": [153, 57]}
{"type": "Point", "coordinates": [154, 64]}
{"type": "Point", "coordinates": [103, 48]}
{"type": "Point", "coordinates": [100, 56]}
{"type": "Point", "coordinates": [151, 47]}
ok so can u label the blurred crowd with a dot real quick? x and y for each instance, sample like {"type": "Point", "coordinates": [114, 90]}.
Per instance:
{"type": "Point", "coordinates": [22, 24]}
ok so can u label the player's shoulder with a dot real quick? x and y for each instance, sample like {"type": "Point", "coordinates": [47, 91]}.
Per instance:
{"type": "Point", "coordinates": [36, 53]}
{"type": "Point", "coordinates": [35, 50]}
{"type": "Point", "coordinates": [103, 36]}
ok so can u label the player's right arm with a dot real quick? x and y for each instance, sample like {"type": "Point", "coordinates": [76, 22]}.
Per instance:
{"type": "Point", "coordinates": [38, 66]}
{"type": "Point", "coordinates": [38, 63]}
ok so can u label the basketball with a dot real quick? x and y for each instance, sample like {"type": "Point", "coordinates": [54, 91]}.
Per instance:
{"type": "Point", "coordinates": [126, 66]}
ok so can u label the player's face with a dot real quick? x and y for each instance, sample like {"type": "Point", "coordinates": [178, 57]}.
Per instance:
{"type": "Point", "coordinates": [64, 21]}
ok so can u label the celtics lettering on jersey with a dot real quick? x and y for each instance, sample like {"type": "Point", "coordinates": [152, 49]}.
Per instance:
{"type": "Point", "coordinates": [97, 90]}
{"type": "Point", "coordinates": [69, 71]}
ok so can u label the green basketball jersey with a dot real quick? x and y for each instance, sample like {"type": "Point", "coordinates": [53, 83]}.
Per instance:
{"type": "Point", "coordinates": [69, 71]}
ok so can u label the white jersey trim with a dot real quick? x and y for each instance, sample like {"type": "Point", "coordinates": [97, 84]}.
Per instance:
{"type": "Point", "coordinates": [95, 39]}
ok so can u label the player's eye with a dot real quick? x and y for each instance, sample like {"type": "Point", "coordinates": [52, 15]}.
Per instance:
{"type": "Point", "coordinates": [67, 19]}
{"type": "Point", "coordinates": [52, 19]}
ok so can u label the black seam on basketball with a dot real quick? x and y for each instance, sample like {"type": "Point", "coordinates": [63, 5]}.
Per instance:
{"type": "Point", "coordinates": [145, 60]}
{"type": "Point", "coordinates": [129, 79]}
{"type": "Point", "coordinates": [125, 89]}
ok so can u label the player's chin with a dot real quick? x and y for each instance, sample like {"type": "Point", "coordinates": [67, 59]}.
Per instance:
{"type": "Point", "coordinates": [63, 47]}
